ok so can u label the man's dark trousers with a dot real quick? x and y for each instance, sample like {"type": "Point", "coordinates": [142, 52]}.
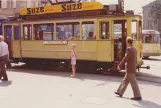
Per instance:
{"type": "Point", "coordinates": [3, 61]}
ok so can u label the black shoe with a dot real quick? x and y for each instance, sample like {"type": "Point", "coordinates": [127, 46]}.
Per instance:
{"type": "Point", "coordinates": [118, 94]}
{"type": "Point", "coordinates": [4, 79]}
{"type": "Point", "coordinates": [136, 98]}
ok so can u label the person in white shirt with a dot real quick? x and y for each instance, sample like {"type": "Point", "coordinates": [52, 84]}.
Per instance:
{"type": "Point", "coordinates": [4, 57]}
{"type": "Point", "coordinates": [119, 48]}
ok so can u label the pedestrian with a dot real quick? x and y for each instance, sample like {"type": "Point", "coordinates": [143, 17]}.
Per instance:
{"type": "Point", "coordinates": [119, 49]}
{"type": "Point", "coordinates": [4, 57]}
{"type": "Point", "coordinates": [73, 59]}
{"type": "Point", "coordinates": [130, 61]}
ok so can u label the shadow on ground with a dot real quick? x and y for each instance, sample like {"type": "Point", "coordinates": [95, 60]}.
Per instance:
{"type": "Point", "coordinates": [5, 83]}
{"type": "Point", "coordinates": [147, 104]}
{"type": "Point", "coordinates": [147, 75]}
{"type": "Point", "coordinates": [82, 76]}
{"type": "Point", "coordinates": [153, 59]}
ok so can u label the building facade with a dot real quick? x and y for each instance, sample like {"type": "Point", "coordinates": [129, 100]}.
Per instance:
{"type": "Point", "coordinates": [148, 22]}
{"type": "Point", "coordinates": [10, 7]}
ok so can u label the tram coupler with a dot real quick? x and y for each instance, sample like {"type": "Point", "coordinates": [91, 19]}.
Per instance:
{"type": "Point", "coordinates": [144, 67]}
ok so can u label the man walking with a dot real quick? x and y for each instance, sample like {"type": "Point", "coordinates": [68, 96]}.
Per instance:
{"type": "Point", "coordinates": [4, 57]}
{"type": "Point", "coordinates": [130, 61]}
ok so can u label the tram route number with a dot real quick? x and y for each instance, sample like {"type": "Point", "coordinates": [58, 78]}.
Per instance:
{"type": "Point", "coordinates": [71, 7]}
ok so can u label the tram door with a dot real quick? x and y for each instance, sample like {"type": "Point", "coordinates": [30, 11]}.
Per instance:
{"type": "Point", "coordinates": [119, 32]}
{"type": "Point", "coordinates": [8, 38]}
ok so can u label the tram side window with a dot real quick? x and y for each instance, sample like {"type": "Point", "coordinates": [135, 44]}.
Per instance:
{"type": "Point", "coordinates": [134, 30]}
{"type": "Point", "coordinates": [157, 38]}
{"type": "Point", "coordinates": [8, 32]}
{"type": "Point", "coordinates": [68, 31]}
{"type": "Point", "coordinates": [16, 32]}
{"type": "Point", "coordinates": [27, 32]}
{"type": "Point", "coordinates": [88, 30]}
{"type": "Point", "coordinates": [104, 30]}
{"type": "Point", "coordinates": [43, 31]}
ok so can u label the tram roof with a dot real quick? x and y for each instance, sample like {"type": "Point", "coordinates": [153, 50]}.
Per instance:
{"type": "Point", "coordinates": [150, 31]}
{"type": "Point", "coordinates": [72, 10]}
{"type": "Point", "coordinates": [72, 18]}
{"type": "Point", "coordinates": [62, 8]}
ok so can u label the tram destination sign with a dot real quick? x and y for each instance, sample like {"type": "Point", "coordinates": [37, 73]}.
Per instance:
{"type": "Point", "coordinates": [61, 8]}
{"type": "Point", "coordinates": [55, 42]}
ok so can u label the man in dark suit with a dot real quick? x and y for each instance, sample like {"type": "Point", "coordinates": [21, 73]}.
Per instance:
{"type": "Point", "coordinates": [130, 61]}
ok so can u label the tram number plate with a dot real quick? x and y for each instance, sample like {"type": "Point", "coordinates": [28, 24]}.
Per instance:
{"type": "Point", "coordinates": [55, 42]}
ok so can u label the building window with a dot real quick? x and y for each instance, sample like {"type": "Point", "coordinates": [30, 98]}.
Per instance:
{"type": "Point", "coordinates": [0, 3]}
{"type": "Point", "coordinates": [7, 3]}
{"type": "Point", "coordinates": [149, 14]}
{"type": "Point", "coordinates": [34, 3]}
{"type": "Point", "coordinates": [28, 3]}
{"type": "Point", "coordinates": [150, 24]}
{"type": "Point", "coordinates": [4, 3]}
{"type": "Point", "coordinates": [14, 3]}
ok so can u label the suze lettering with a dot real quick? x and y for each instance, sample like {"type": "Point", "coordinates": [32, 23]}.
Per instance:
{"type": "Point", "coordinates": [71, 7]}
{"type": "Point", "coordinates": [35, 10]}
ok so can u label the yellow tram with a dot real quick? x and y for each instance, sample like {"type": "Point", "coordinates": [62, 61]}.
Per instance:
{"type": "Point", "coordinates": [43, 35]}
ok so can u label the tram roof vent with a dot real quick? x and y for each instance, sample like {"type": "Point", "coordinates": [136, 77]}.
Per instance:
{"type": "Point", "coordinates": [113, 7]}
{"type": "Point", "coordinates": [130, 12]}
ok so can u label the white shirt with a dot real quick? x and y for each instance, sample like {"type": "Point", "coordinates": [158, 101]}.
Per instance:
{"type": "Point", "coordinates": [119, 45]}
{"type": "Point", "coordinates": [3, 49]}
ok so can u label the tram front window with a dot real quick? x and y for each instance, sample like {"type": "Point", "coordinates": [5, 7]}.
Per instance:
{"type": "Point", "coordinates": [151, 38]}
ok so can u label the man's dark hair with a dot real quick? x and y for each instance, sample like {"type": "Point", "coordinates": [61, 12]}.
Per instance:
{"type": "Point", "coordinates": [129, 40]}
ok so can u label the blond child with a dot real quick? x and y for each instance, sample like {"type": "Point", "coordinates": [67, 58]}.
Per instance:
{"type": "Point", "coordinates": [73, 59]}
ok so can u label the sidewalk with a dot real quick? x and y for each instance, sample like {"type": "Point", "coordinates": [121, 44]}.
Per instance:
{"type": "Point", "coordinates": [47, 89]}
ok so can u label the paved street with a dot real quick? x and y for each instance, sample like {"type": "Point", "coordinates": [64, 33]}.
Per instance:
{"type": "Point", "coordinates": [155, 64]}
{"type": "Point", "coordinates": [48, 89]}
{"type": "Point", "coordinates": [154, 74]}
